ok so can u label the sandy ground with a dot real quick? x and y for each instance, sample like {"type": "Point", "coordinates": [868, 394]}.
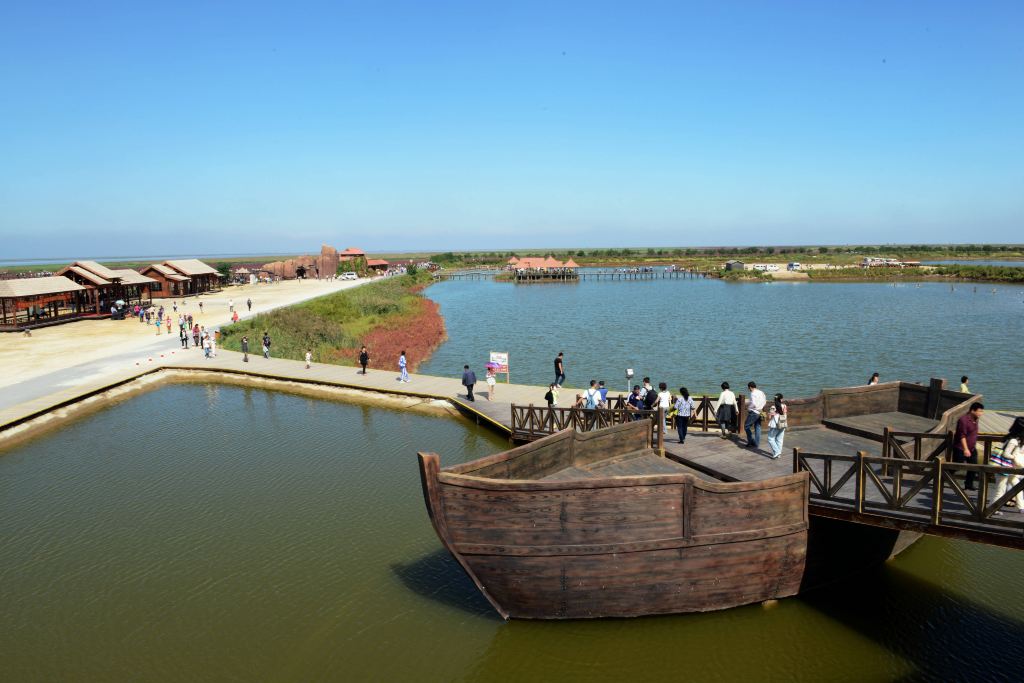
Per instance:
{"type": "Point", "coordinates": [63, 346]}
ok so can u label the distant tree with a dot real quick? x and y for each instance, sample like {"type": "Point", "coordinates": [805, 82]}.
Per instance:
{"type": "Point", "coordinates": [581, 253]}
{"type": "Point", "coordinates": [224, 269]}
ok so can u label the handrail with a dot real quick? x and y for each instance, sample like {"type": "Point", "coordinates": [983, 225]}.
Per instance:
{"type": "Point", "coordinates": [533, 422]}
{"type": "Point", "coordinates": [924, 491]}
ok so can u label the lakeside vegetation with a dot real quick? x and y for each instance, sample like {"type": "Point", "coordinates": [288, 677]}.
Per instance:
{"type": "Point", "coordinates": [924, 273]}
{"type": "Point", "coordinates": [388, 316]}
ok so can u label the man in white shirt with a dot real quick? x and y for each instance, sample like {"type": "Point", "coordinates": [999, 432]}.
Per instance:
{"type": "Point", "coordinates": [752, 425]}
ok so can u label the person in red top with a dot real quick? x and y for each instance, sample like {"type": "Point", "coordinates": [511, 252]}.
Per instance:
{"type": "Point", "coordinates": [965, 439]}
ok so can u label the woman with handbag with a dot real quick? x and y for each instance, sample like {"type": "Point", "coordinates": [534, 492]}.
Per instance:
{"type": "Point", "coordinates": [778, 421]}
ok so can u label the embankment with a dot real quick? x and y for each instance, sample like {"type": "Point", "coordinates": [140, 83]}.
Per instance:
{"type": "Point", "coordinates": [388, 316]}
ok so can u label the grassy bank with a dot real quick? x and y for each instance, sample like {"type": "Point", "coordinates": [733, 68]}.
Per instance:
{"type": "Point", "coordinates": [388, 316]}
{"type": "Point", "coordinates": [925, 273]}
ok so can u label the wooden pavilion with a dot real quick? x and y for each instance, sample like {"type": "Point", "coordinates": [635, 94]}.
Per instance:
{"type": "Point", "coordinates": [104, 285]}
{"type": "Point", "coordinates": [37, 301]}
{"type": "Point", "coordinates": [167, 282]}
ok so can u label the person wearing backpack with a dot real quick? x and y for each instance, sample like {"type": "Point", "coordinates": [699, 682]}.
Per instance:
{"type": "Point", "coordinates": [778, 421]}
{"type": "Point", "coordinates": [592, 399]}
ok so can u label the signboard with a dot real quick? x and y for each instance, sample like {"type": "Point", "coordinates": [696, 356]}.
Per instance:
{"type": "Point", "coordinates": [500, 358]}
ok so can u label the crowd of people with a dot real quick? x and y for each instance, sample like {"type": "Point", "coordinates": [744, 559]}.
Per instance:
{"type": "Point", "coordinates": [680, 408]}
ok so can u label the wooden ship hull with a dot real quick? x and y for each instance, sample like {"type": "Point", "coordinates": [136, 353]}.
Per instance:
{"type": "Point", "coordinates": [598, 524]}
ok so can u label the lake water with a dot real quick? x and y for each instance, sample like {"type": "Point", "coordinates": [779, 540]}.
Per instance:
{"type": "Point", "coordinates": [204, 532]}
{"type": "Point", "coordinates": [795, 338]}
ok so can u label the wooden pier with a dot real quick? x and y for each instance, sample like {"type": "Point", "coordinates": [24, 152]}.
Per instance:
{"type": "Point", "coordinates": [885, 469]}
{"type": "Point", "coordinates": [619, 275]}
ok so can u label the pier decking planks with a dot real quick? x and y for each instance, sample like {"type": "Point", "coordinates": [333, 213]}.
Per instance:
{"type": "Point", "coordinates": [874, 424]}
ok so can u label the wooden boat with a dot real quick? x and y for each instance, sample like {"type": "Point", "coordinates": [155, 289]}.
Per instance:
{"type": "Point", "coordinates": [599, 524]}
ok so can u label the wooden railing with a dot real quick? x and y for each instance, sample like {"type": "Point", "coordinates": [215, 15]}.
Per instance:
{"type": "Point", "coordinates": [703, 416]}
{"type": "Point", "coordinates": [923, 493]}
{"type": "Point", "coordinates": [534, 422]}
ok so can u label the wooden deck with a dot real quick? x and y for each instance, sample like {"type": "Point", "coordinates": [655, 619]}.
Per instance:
{"type": "Point", "coordinates": [872, 426]}
{"type": "Point", "coordinates": [729, 460]}
{"type": "Point", "coordinates": [629, 465]}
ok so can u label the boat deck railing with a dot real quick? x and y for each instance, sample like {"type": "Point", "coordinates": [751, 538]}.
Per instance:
{"type": "Point", "coordinates": [918, 489]}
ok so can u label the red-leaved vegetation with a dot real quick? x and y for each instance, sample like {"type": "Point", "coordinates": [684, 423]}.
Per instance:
{"type": "Point", "coordinates": [418, 335]}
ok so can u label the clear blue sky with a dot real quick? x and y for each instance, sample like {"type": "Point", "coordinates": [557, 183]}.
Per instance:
{"type": "Point", "coordinates": [213, 127]}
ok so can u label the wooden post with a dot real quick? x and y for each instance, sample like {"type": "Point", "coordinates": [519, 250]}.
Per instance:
{"type": "Point", "coordinates": [706, 406]}
{"type": "Point", "coordinates": [935, 388]}
{"type": "Point", "coordinates": [796, 460]}
{"type": "Point", "coordinates": [859, 494]}
{"type": "Point", "coordinates": [937, 493]}
{"type": "Point", "coordinates": [741, 413]}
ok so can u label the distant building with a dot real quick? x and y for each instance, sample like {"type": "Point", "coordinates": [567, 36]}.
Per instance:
{"type": "Point", "coordinates": [734, 265]}
{"type": "Point", "coordinates": [378, 265]}
{"type": "Point", "coordinates": [544, 264]}
{"type": "Point", "coordinates": [34, 301]}
{"type": "Point", "coordinates": [105, 286]}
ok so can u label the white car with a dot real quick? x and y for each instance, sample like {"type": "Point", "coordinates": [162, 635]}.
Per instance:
{"type": "Point", "coordinates": [349, 276]}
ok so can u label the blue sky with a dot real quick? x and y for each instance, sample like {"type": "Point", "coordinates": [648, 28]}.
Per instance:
{"type": "Point", "coordinates": [214, 127]}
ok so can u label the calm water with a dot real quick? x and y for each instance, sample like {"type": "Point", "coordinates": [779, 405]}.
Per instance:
{"type": "Point", "coordinates": [790, 337]}
{"type": "Point", "coordinates": [219, 533]}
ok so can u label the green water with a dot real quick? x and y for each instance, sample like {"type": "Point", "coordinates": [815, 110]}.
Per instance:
{"type": "Point", "coordinates": [220, 533]}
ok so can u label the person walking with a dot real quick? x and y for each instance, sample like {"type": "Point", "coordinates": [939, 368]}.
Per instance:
{"type": "Point", "coordinates": [158, 323]}
{"type": "Point", "coordinates": [195, 335]}
{"type": "Point", "coordinates": [234, 317]}
{"type": "Point", "coordinates": [266, 345]}
{"type": "Point", "coordinates": [213, 342]}
{"type": "Point", "coordinates": [245, 349]}
{"type": "Point", "coordinates": [560, 370]}
{"type": "Point", "coordinates": [664, 404]}
{"type": "Point", "coordinates": [231, 305]}
{"type": "Point", "coordinates": [403, 368]}
{"type": "Point", "coordinates": [183, 337]}
{"type": "Point", "coordinates": [492, 382]}
{"type": "Point", "coordinates": [752, 425]}
{"type": "Point", "coordinates": [309, 358]}
{"type": "Point", "coordinates": [964, 389]}
{"type": "Point", "coordinates": [168, 321]}
{"type": "Point", "coordinates": [468, 381]}
{"type": "Point", "coordinates": [207, 346]}
{"type": "Point", "coordinates": [965, 439]}
{"type": "Point", "coordinates": [778, 421]}
{"type": "Point", "coordinates": [1012, 456]}
{"type": "Point", "coordinates": [248, 303]}
{"type": "Point", "coordinates": [684, 409]}
{"type": "Point", "coordinates": [364, 358]}
{"type": "Point", "coordinates": [200, 306]}
{"type": "Point", "coordinates": [727, 411]}
{"type": "Point", "coordinates": [174, 305]}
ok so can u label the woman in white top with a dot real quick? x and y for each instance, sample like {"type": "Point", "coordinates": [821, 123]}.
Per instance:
{"type": "Point", "coordinates": [727, 411]}
{"type": "Point", "coordinates": [1013, 452]}
{"type": "Point", "coordinates": [491, 382]}
{"type": "Point", "coordinates": [778, 420]}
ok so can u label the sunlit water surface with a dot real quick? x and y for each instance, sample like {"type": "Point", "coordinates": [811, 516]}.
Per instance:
{"type": "Point", "coordinates": [220, 533]}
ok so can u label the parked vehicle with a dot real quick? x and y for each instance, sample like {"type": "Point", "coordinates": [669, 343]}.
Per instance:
{"type": "Point", "coordinates": [349, 276]}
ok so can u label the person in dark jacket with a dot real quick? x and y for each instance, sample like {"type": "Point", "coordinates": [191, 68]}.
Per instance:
{"type": "Point", "coordinates": [364, 358]}
{"type": "Point", "coordinates": [245, 349]}
{"type": "Point", "coordinates": [468, 381]}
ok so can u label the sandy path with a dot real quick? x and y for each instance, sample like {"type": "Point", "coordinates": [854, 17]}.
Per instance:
{"type": "Point", "coordinates": [124, 342]}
